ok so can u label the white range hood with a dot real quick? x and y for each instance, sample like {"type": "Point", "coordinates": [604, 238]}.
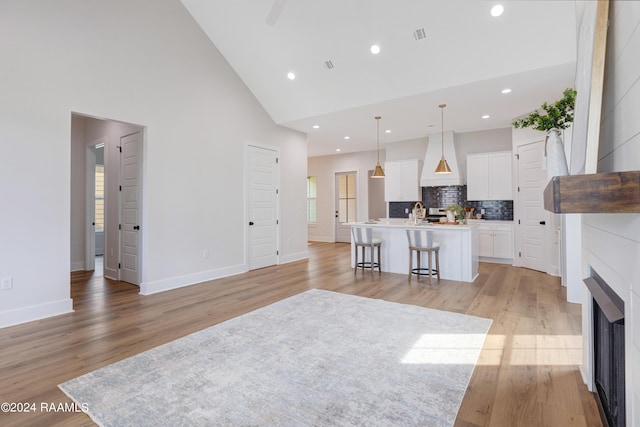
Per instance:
{"type": "Point", "coordinates": [434, 153]}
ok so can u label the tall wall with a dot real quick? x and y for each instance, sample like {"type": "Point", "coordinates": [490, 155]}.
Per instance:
{"type": "Point", "coordinates": [146, 63]}
{"type": "Point", "coordinates": [611, 243]}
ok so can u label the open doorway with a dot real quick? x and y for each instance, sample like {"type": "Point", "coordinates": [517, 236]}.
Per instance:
{"type": "Point", "coordinates": [106, 190]}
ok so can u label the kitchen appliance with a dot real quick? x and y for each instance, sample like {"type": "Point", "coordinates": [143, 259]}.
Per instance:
{"type": "Point", "coordinates": [435, 214]}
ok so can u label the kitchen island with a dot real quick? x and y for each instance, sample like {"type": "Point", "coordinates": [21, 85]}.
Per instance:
{"type": "Point", "coordinates": [458, 248]}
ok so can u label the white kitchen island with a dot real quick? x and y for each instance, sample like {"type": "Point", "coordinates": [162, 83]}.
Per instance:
{"type": "Point", "coordinates": [458, 248]}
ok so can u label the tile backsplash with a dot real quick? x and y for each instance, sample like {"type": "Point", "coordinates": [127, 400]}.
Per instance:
{"type": "Point", "coordinates": [441, 197]}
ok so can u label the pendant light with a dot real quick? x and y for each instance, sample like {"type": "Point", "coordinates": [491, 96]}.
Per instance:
{"type": "Point", "coordinates": [378, 173]}
{"type": "Point", "coordinates": [443, 167]}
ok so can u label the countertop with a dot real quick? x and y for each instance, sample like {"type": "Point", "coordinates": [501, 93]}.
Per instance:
{"type": "Point", "coordinates": [400, 223]}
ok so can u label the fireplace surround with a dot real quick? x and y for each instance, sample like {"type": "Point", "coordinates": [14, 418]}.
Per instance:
{"type": "Point", "coordinates": [608, 351]}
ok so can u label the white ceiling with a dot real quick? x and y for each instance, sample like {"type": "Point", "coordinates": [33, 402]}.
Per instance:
{"type": "Point", "coordinates": [466, 59]}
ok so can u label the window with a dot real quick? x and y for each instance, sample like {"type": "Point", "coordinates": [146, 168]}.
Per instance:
{"type": "Point", "coordinates": [311, 200]}
{"type": "Point", "coordinates": [99, 199]}
{"type": "Point", "coordinates": [347, 197]}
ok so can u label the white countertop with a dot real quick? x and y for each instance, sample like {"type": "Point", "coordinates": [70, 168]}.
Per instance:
{"type": "Point", "coordinates": [400, 223]}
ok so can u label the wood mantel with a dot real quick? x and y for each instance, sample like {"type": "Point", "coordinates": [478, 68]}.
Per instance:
{"type": "Point", "coordinates": [615, 192]}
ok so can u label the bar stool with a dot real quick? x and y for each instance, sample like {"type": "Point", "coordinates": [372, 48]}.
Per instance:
{"type": "Point", "coordinates": [422, 241]}
{"type": "Point", "coordinates": [363, 238]}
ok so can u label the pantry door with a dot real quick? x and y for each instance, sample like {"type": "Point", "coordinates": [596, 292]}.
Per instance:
{"type": "Point", "coordinates": [532, 219]}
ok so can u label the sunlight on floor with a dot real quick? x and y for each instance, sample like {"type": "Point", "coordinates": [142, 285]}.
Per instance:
{"type": "Point", "coordinates": [558, 350]}
{"type": "Point", "coordinates": [442, 349]}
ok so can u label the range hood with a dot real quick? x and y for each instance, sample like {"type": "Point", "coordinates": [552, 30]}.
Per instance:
{"type": "Point", "coordinates": [434, 153]}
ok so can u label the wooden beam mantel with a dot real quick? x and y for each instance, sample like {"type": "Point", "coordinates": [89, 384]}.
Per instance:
{"type": "Point", "coordinates": [615, 192]}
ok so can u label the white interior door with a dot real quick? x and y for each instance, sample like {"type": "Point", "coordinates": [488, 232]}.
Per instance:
{"type": "Point", "coordinates": [263, 207]}
{"type": "Point", "coordinates": [533, 219]}
{"type": "Point", "coordinates": [345, 205]}
{"type": "Point", "coordinates": [90, 229]}
{"type": "Point", "coordinates": [130, 191]}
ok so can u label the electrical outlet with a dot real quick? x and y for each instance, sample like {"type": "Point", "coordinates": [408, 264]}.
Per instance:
{"type": "Point", "coordinates": [205, 253]}
{"type": "Point", "coordinates": [406, 210]}
{"type": "Point", "coordinates": [482, 211]}
{"type": "Point", "coordinates": [6, 283]}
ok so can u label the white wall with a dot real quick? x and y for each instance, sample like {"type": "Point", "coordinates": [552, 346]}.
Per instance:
{"type": "Point", "coordinates": [152, 66]}
{"type": "Point", "coordinates": [325, 168]}
{"type": "Point", "coordinates": [611, 243]}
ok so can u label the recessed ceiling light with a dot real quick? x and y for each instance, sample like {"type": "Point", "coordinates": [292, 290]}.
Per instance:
{"type": "Point", "coordinates": [497, 10]}
{"type": "Point", "coordinates": [291, 76]}
{"type": "Point", "coordinates": [505, 90]}
{"type": "Point", "coordinates": [347, 137]}
{"type": "Point", "coordinates": [486, 116]}
{"type": "Point", "coordinates": [375, 49]}
{"type": "Point", "coordinates": [387, 131]}
{"type": "Point", "coordinates": [337, 149]}
{"type": "Point", "coordinates": [316, 127]}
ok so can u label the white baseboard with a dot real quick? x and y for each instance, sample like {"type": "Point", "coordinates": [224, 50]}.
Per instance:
{"type": "Point", "coordinates": [148, 288]}
{"type": "Point", "coordinates": [507, 261]}
{"type": "Point", "coordinates": [35, 312]}
{"type": "Point", "coordinates": [294, 257]}
{"type": "Point", "coordinates": [77, 266]}
{"type": "Point", "coordinates": [324, 239]}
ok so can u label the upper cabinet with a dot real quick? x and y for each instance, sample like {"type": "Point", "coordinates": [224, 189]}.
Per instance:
{"type": "Point", "coordinates": [489, 176]}
{"type": "Point", "coordinates": [401, 182]}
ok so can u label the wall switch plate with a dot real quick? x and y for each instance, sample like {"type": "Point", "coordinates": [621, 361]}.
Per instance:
{"type": "Point", "coordinates": [6, 283]}
{"type": "Point", "coordinates": [205, 253]}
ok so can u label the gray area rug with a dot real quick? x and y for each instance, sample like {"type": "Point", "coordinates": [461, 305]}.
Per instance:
{"type": "Point", "coordinates": [318, 358]}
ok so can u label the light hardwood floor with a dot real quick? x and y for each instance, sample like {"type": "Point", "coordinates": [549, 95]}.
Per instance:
{"type": "Point", "coordinates": [527, 374]}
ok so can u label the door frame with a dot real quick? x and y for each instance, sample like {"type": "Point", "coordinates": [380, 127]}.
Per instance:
{"type": "Point", "coordinates": [246, 200]}
{"type": "Point", "coordinates": [90, 179]}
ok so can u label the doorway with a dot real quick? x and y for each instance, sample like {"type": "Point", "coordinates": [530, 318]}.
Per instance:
{"type": "Point", "coordinates": [108, 200]}
{"type": "Point", "coordinates": [346, 194]}
{"type": "Point", "coordinates": [533, 221]}
{"type": "Point", "coordinates": [262, 206]}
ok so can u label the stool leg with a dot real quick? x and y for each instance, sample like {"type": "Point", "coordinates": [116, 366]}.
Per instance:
{"type": "Point", "coordinates": [379, 262]}
{"type": "Point", "coordinates": [430, 270]}
{"type": "Point", "coordinates": [371, 251]}
{"type": "Point", "coordinates": [438, 264]}
{"type": "Point", "coordinates": [355, 265]}
{"type": "Point", "coordinates": [410, 264]}
{"type": "Point", "coordinates": [418, 262]}
{"type": "Point", "coordinates": [364, 255]}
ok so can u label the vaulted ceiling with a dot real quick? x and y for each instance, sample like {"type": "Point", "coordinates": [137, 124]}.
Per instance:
{"type": "Point", "coordinates": [431, 52]}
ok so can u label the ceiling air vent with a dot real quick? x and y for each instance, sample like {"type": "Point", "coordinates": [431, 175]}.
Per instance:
{"type": "Point", "coordinates": [419, 34]}
{"type": "Point", "coordinates": [328, 65]}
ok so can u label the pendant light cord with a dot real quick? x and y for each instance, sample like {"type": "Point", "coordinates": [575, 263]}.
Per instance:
{"type": "Point", "coordinates": [378, 135]}
{"type": "Point", "coordinates": [442, 118]}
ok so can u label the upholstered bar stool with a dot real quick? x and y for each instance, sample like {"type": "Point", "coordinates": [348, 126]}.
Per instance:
{"type": "Point", "coordinates": [422, 241]}
{"type": "Point", "coordinates": [363, 238]}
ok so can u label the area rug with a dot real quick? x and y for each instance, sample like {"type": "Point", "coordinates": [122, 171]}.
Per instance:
{"type": "Point", "coordinates": [318, 358]}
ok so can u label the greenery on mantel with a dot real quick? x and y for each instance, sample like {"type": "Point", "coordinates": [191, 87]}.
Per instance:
{"type": "Point", "coordinates": [558, 115]}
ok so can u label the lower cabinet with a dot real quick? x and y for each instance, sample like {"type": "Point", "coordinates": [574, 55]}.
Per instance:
{"type": "Point", "coordinates": [496, 241]}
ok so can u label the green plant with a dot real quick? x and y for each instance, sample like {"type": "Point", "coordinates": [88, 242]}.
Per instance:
{"type": "Point", "coordinates": [558, 115]}
{"type": "Point", "coordinates": [457, 211]}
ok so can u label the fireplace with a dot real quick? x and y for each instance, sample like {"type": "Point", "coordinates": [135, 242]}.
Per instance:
{"type": "Point", "coordinates": [608, 351]}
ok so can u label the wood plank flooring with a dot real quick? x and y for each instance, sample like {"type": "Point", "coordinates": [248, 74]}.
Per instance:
{"type": "Point", "coordinates": [527, 373]}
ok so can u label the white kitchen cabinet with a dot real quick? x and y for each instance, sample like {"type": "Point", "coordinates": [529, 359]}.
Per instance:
{"type": "Point", "coordinates": [402, 181]}
{"type": "Point", "coordinates": [489, 176]}
{"type": "Point", "coordinates": [495, 240]}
